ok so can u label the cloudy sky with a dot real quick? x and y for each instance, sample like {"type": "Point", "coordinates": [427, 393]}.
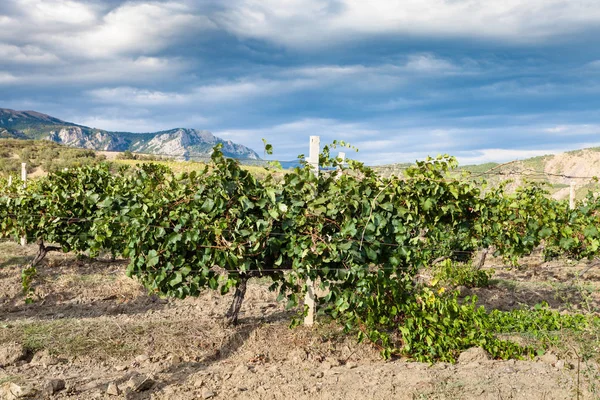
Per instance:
{"type": "Point", "coordinates": [400, 79]}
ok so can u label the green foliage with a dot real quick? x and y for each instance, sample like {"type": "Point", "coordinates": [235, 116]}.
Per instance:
{"type": "Point", "coordinates": [362, 236]}
{"type": "Point", "coordinates": [462, 274]}
{"type": "Point", "coordinates": [438, 327]}
{"type": "Point", "coordinates": [46, 155]}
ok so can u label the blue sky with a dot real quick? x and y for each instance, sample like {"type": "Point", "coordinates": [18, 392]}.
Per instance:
{"type": "Point", "coordinates": [481, 80]}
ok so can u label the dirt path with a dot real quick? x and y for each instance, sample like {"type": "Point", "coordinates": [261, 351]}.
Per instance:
{"type": "Point", "coordinates": [100, 333]}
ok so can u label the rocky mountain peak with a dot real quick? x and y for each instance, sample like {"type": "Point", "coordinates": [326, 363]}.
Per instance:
{"type": "Point", "coordinates": [182, 143]}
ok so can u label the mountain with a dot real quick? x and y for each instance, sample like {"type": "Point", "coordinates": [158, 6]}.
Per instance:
{"type": "Point", "coordinates": [179, 143]}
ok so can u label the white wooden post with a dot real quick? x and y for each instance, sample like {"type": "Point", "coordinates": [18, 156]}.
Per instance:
{"type": "Point", "coordinates": [572, 195]}
{"type": "Point", "coordinates": [24, 179]}
{"type": "Point", "coordinates": [10, 180]}
{"type": "Point", "coordinates": [309, 299]}
{"type": "Point", "coordinates": [24, 174]}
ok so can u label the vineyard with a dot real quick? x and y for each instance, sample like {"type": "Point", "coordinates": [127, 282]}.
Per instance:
{"type": "Point", "coordinates": [391, 258]}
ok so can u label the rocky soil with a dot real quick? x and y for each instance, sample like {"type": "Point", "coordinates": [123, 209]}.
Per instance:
{"type": "Point", "coordinates": [93, 333]}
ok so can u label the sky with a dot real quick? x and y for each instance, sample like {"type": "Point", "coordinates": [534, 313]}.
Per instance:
{"type": "Point", "coordinates": [399, 79]}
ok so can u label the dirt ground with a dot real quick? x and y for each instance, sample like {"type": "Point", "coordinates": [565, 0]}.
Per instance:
{"type": "Point", "coordinates": [101, 334]}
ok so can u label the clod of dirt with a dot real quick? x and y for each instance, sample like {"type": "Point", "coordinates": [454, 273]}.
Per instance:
{"type": "Point", "coordinates": [53, 386]}
{"type": "Point", "coordinates": [10, 353]}
{"type": "Point", "coordinates": [473, 355]}
{"type": "Point", "coordinates": [549, 358]}
{"type": "Point", "coordinates": [12, 391]}
{"type": "Point", "coordinates": [207, 394]}
{"type": "Point", "coordinates": [351, 365]}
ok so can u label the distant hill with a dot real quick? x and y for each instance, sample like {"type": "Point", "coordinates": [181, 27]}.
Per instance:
{"type": "Point", "coordinates": [557, 170]}
{"type": "Point", "coordinates": [180, 143]}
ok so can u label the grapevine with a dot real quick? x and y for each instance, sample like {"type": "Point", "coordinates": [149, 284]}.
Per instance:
{"type": "Point", "coordinates": [364, 238]}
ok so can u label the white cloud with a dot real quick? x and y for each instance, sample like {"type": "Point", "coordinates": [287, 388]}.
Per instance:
{"type": "Point", "coordinates": [6, 77]}
{"type": "Point", "coordinates": [58, 11]}
{"type": "Point", "coordinates": [26, 55]}
{"type": "Point", "coordinates": [137, 97]}
{"type": "Point", "coordinates": [93, 30]}
{"type": "Point", "coordinates": [138, 28]}
{"type": "Point", "coordinates": [573, 129]}
{"type": "Point", "coordinates": [226, 91]}
{"type": "Point", "coordinates": [309, 22]}
{"type": "Point", "coordinates": [125, 71]}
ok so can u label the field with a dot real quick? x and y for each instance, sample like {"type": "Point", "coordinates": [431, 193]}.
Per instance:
{"type": "Point", "coordinates": [93, 327]}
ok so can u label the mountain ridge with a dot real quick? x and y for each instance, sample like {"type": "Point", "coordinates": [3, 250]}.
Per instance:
{"type": "Point", "coordinates": [181, 143]}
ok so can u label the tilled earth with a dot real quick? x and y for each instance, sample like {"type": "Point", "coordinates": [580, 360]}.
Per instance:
{"type": "Point", "coordinates": [101, 336]}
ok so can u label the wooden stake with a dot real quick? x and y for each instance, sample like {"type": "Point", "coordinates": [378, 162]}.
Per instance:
{"type": "Point", "coordinates": [309, 299]}
{"type": "Point", "coordinates": [24, 179]}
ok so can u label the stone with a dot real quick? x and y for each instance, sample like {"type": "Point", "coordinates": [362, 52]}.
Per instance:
{"type": "Point", "coordinates": [53, 386]}
{"type": "Point", "coordinates": [113, 389]}
{"type": "Point", "coordinates": [140, 382]}
{"type": "Point", "coordinates": [198, 382]}
{"type": "Point", "coordinates": [10, 353]}
{"type": "Point", "coordinates": [351, 365]}
{"type": "Point", "coordinates": [560, 364]}
{"type": "Point", "coordinates": [175, 360]}
{"type": "Point", "coordinates": [473, 355]}
{"type": "Point", "coordinates": [207, 394]}
{"type": "Point", "coordinates": [13, 391]}
{"type": "Point", "coordinates": [142, 358]}
{"type": "Point", "coordinates": [121, 368]}
{"type": "Point", "coordinates": [44, 358]}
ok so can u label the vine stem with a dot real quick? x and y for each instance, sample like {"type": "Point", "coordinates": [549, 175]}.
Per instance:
{"type": "Point", "coordinates": [362, 236]}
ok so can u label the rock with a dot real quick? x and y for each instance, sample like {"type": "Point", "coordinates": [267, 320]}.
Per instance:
{"type": "Point", "coordinates": [140, 383]}
{"type": "Point", "coordinates": [198, 382]}
{"type": "Point", "coordinates": [113, 389]}
{"type": "Point", "coordinates": [472, 355]}
{"type": "Point", "coordinates": [174, 360]}
{"type": "Point", "coordinates": [121, 368]}
{"type": "Point", "coordinates": [10, 353]}
{"type": "Point", "coordinates": [142, 358]}
{"type": "Point", "coordinates": [53, 386]}
{"type": "Point", "coordinates": [207, 394]}
{"type": "Point", "coordinates": [560, 364]}
{"type": "Point", "coordinates": [44, 358]}
{"type": "Point", "coordinates": [12, 391]}
{"type": "Point", "coordinates": [351, 365]}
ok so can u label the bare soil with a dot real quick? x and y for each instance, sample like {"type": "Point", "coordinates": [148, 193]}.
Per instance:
{"type": "Point", "coordinates": [91, 326]}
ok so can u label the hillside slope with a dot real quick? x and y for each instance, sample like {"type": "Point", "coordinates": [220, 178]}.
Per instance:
{"type": "Point", "coordinates": [557, 170]}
